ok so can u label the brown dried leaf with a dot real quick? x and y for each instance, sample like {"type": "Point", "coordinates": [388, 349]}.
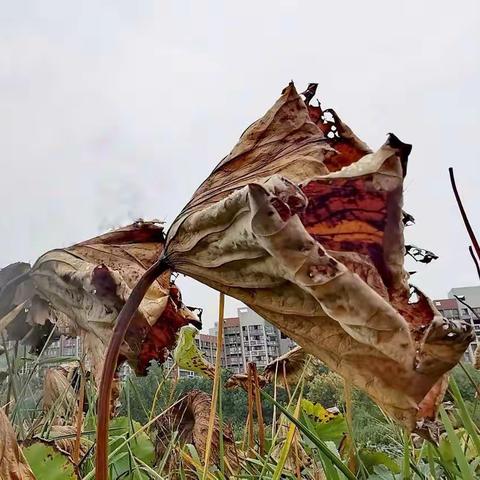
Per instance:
{"type": "Point", "coordinates": [348, 148]}
{"type": "Point", "coordinates": [59, 396]}
{"type": "Point", "coordinates": [12, 464]}
{"type": "Point", "coordinates": [190, 418]}
{"type": "Point", "coordinates": [290, 366]}
{"type": "Point", "coordinates": [82, 288]}
{"type": "Point", "coordinates": [241, 380]}
{"type": "Point", "coordinates": [319, 252]}
{"type": "Point", "coordinates": [297, 459]}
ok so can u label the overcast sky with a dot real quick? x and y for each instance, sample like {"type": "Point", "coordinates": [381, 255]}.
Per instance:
{"type": "Point", "coordinates": [114, 110]}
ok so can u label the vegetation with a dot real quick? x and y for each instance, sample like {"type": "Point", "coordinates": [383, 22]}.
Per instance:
{"type": "Point", "coordinates": [302, 439]}
{"type": "Point", "coordinates": [269, 242]}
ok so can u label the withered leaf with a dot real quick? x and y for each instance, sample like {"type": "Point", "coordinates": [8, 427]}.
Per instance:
{"type": "Point", "coordinates": [12, 463]}
{"type": "Point", "coordinates": [304, 224]}
{"type": "Point", "coordinates": [59, 396]}
{"type": "Point", "coordinates": [242, 380]}
{"type": "Point", "coordinates": [190, 418]}
{"type": "Point", "coordinates": [80, 290]}
{"type": "Point", "coordinates": [420, 254]}
{"type": "Point", "coordinates": [290, 367]}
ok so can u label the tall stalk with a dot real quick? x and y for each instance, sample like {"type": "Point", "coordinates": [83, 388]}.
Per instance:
{"type": "Point", "coordinates": [111, 359]}
{"type": "Point", "coordinates": [216, 385]}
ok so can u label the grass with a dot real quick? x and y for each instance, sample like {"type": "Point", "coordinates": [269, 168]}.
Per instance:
{"type": "Point", "coordinates": [294, 444]}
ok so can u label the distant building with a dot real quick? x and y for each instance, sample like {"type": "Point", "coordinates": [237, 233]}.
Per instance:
{"type": "Point", "coordinates": [208, 345]}
{"type": "Point", "coordinates": [468, 311]}
{"type": "Point", "coordinates": [286, 344]}
{"type": "Point", "coordinates": [250, 338]}
{"type": "Point", "coordinates": [64, 347]}
{"type": "Point", "coordinates": [233, 357]}
{"type": "Point", "coordinates": [247, 338]}
{"type": "Point", "coordinates": [260, 340]}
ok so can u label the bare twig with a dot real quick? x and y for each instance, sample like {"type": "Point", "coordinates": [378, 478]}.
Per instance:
{"type": "Point", "coordinates": [476, 246]}
{"type": "Point", "coordinates": [475, 260]}
{"type": "Point", "coordinates": [463, 302]}
{"type": "Point", "coordinates": [285, 381]}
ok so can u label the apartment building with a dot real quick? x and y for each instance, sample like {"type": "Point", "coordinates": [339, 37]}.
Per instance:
{"type": "Point", "coordinates": [286, 344]}
{"type": "Point", "coordinates": [250, 338]}
{"type": "Point", "coordinates": [208, 345]}
{"type": "Point", "coordinates": [260, 341]}
{"type": "Point", "coordinates": [463, 303]}
{"type": "Point", "coordinates": [64, 347]}
{"type": "Point", "coordinates": [232, 358]}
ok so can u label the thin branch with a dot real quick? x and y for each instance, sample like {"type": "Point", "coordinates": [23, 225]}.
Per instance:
{"type": "Point", "coordinates": [476, 246]}
{"type": "Point", "coordinates": [463, 302]}
{"type": "Point", "coordinates": [475, 260]}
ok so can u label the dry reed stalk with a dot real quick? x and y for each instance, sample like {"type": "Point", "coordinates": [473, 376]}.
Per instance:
{"type": "Point", "coordinates": [216, 383]}
{"type": "Point", "coordinates": [258, 403]}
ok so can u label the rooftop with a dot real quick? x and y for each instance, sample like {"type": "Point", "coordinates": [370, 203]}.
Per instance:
{"type": "Point", "coordinates": [446, 303]}
{"type": "Point", "coordinates": [231, 322]}
{"type": "Point", "coordinates": [207, 338]}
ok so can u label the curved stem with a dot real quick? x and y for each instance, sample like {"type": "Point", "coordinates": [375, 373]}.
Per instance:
{"type": "Point", "coordinates": [475, 261]}
{"type": "Point", "coordinates": [123, 322]}
{"type": "Point", "coordinates": [463, 302]}
{"type": "Point", "coordinates": [476, 246]}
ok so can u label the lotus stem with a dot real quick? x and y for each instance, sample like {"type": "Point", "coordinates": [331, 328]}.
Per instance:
{"type": "Point", "coordinates": [121, 326]}
{"type": "Point", "coordinates": [464, 303]}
